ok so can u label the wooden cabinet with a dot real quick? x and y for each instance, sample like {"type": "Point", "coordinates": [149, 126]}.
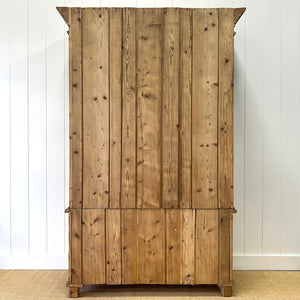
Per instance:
{"type": "Point", "coordinates": [151, 146]}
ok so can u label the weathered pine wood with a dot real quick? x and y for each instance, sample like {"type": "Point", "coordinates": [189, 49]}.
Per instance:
{"type": "Point", "coordinates": [173, 245]}
{"type": "Point", "coordinates": [75, 244]}
{"type": "Point", "coordinates": [93, 234]}
{"type": "Point", "coordinates": [115, 91]}
{"type": "Point", "coordinates": [151, 246]}
{"type": "Point", "coordinates": [225, 250]}
{"type": "Point", "coordinates": [151, 146]}
{"type": "Point", "coordinates": [188, 246]}
{"type": "Point", "coordinates": [95, 107]}
{"type": "Point", "coordinates": [65, 12]}
{"type": "Point", "coordinates": [238, 12]}
{"type": "Point", "coordinates": [129, 246]}
{"type": "Point", "coordinates": [170, 102]}
{"type": "Point", "coordinates": [225, 113]}
{"type": "Point", "coordinates": [113, 246]}
{"type": "Point", "coordinates": [75, 107]}
{"type": "Point", "coordinates": [128, 191]}
{"type": "Point", "coordinates": [204, 108]}
{"type": "Point", "coordinates": [185, 112]}
{"type": "Point", "coordinates": [149, 36]}
{"type": "Point", "coordinates": [74, 292]}
{"type": "Point", "coordinates": [207, 247]}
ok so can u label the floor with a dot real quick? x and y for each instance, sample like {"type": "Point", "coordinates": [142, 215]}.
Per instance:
{"type": "Point", "coordinates": [51, 285]}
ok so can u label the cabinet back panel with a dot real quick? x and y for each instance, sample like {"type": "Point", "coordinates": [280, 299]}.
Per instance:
{"type": "Point", "coordinates": [149, 246]}
{"type": "Point", "coordinates": [154, 90]}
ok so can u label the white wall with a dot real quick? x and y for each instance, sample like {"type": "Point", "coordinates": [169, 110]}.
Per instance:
{"type": "Point", "coordinates": [34, 127]}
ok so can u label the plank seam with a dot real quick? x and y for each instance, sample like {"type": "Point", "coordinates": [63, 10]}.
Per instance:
{"type": "Point", "coordinates": [121, 108]}
{"type": "Point", "coordinates": [136, 105]}
{"type": "Point", "coordinates": [109, 107]}
{"type": "Point", "coordinates": [82, 142]}
{"type": "Point", "coordinates": [162, 42]}
{"type": "Point", "coordinates": [191, 106]}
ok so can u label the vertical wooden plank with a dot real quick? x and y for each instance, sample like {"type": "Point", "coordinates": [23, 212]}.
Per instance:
{"type": "Point", "coordinates": [128, 191]}
{"type": "Point", "coordinates": [113, 246]}
{"type": "Point", "coordinates": [225, 113]}
{"type": "Point", "coordinates": [115, 63]}
{"type": "Point", "coordinates": [75, 71]}
{"type": "Point", "coordinates": [151, 246]}
{"type": "Point", "coordinates": [94, 258]}
{"type": "Point", "coordinates": [129, 246]}
{"type": "Point", "coordinates": [149, 36]}
{"type": "Point", "coordinates": [185, 92]}
{"type": "Point", "coordinates": [75, 242]}
{"type": "Point", "coordinates": [173, 246]}
{"type": "Point", "coordinates": [225, 247]}
{"type": "Point", "coordinates": [95, 107]}
{"type": "Point", "coordinates": [188, 247]}
{"type": "Point", "coordinates": [207, 247]}
{"type": "Point", "coordinates": [170, 98]}
{"type": "Point", "coordinates": [204, 108]}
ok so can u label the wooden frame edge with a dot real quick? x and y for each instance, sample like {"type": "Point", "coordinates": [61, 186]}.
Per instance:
{"type": "Point", "coordinates": [238, 12]}
{"type": "Point", "coordinates": [65, 12]}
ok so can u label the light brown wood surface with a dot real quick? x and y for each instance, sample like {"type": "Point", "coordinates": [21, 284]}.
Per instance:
{"type": "Point", "coordinates": [113, 246]}
{"type": "Point", "coordinates": [149, 64]}
{"type": "Point", "coordinates": [129, 111]}
{"type": "Point", "coordinates": [151, 146]}
{"type": "Point", "coordinates": [204, 108]}
{"type": "Point", "coordinates": [115, 105]}
{"type": "Point", "coordinates": [170, 102]}
{"type": "Point", "coordinates": [96, 104]}
{"type": "Point", "coordinates": [185, 107]}
{"type": "Point", "coordinates": [225, 130]}
{"type": "Point", "coordinates": [93, 246]}
{"type": "Point", "coordinates": [152, 107]}
{"type": "Point", "coordinates": [75, 107]}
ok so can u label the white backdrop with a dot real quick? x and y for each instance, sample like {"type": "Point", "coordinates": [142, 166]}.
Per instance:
{"type": "Point", "coordinates": [34, 131]}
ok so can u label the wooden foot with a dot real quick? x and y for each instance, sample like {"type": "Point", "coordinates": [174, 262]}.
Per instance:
{"type": "Point", "coordinates": [226, 291]}
{"type": "Point", "coordinates": [74, 292]}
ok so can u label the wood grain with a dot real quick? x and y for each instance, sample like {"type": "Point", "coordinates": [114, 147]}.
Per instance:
{"type": "Point", "coordinates": [206, 247]}
{"type": "Point", "coordinates": [225, 130]}
{"type": "Point", "coordinates": [75, 242]}
{"type": "Point", "coordinates": [95, 107]}
{"type": "Point", "coordinates": [204, 108]}
{"type": "Point", "coordinates": [225, 248]}
{"type": "Point", "coordinates": [173, 246]}
{"type": "Point", "coordinates": [151, 246]}
{"type": "Point", "coordinates": [93, 232]}
{"type": "Point", "coordinates": [75, 108]}
{"type": "Point", "coordinates": [128, 195]}
{"type": "Point", "coordinates": [188, 246]}
{"type": "Point", "coordinates": [129, 246]}
{"type": "Point", "coordinates": [185, 103]}
{"type": "Point", "coordinates": [149, 35]}
{"type": "Point", "coordinates": [115, 86]}
{"type": "Point", "coordinates": [113, 246]}
{"type": "Point", "coordinates": [151, 146]}
{"type": "Point", "coordinates": [170, 101]}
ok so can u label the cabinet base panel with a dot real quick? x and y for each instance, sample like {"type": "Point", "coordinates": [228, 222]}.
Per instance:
{"type": "Point", "coordinates": [226, 291]}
